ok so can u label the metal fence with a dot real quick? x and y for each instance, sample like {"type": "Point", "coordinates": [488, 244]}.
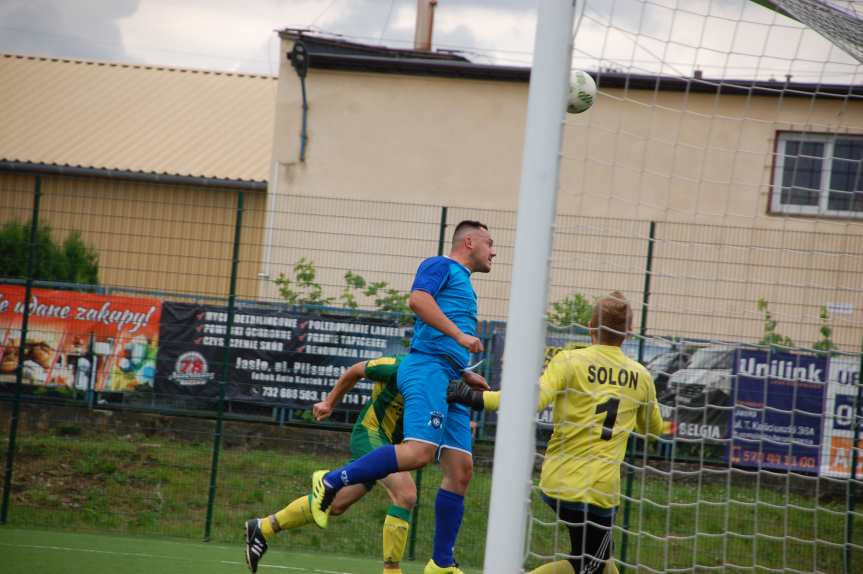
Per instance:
{"type": "Point", "coordinates": [705, 279]}
{"type": "Point", "coordinates": [130, 460]}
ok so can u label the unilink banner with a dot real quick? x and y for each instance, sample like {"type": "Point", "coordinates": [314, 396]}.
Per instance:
{"type": "Point", "coordinates": [778, 410]}
{"type": "Point", "coordinates": [276, 356]}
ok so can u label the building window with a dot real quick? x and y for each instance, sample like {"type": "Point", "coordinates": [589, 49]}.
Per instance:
{"type": "Point", "coordinates": [818, 174]}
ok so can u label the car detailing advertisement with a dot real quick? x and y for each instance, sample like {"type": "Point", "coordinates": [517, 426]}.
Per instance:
{"type": "Point", "coordinates": [79, 340]}
{"type": "Point", "coordinates": [836, 452]}
{"type": "Point", "coordinates": [699, 407]}
{"type": "Point", "coordinates": [276, 355]}
{"type": "Point", "coordinates": [778, 410]}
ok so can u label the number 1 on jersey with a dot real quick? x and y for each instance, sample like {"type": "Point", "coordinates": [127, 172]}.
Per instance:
{"type": "Point", "coordinates": [610, 409]}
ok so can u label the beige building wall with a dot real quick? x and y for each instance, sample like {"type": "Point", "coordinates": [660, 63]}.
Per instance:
{"type": "Point", "coordinates": [149, 236]}
{"type": "Point", "coordinates": [697, 164]}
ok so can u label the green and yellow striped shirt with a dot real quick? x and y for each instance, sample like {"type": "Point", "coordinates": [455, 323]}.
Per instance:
{"type": "Point", "coordinates": [383, 413]}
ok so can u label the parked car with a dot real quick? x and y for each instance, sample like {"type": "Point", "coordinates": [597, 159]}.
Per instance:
{"type": "Point", "coordinates": [697, 400]}
{"type": "Point", "coordinates": [662, 366]}
{"type": "Point", "coordinates": [706, 380]}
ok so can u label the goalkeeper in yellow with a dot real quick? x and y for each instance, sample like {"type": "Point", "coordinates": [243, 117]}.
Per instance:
{"type": "Point", "coordinates": [599, 397]}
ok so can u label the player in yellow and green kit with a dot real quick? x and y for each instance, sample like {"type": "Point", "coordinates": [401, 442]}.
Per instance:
{"type": "Point", "coordinates": [599, 397]}
{"type": "Point", "coordinates": [379, 423]}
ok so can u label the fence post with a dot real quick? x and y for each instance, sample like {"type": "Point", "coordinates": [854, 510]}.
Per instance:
{"type": "Point", "coordinates": [90, 393]}
{"type": "Point", "coordinates": [19, 370]}
{"type": "Point", "coordinates": [441, 239]}
{"type": "Point", "coordinates": [412, 545]}
{"type": "Point", "coordinates": [645, 298]}
{"type": "Point", "coordinates": [488, 356]}
{"type": "Point", "coordinates": [217, 435]}
{"type": "Point", "coordinates": [855, 457]}
{"type": "Point", "coordinates": [642, 333]}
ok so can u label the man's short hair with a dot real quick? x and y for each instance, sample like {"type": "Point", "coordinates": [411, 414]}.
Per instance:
{"type": "Point", "coordinates": [465, 227]}
{"type": "Point", "coordinates": [612, 315]}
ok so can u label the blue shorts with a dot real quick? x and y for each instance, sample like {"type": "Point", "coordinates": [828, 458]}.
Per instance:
{"type": "Point", "coordinates": [422, 381]}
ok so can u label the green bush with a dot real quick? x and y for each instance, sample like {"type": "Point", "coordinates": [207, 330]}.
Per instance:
{"type": "Point", "coordinates": [303, 289]}
{"type": "Point", "coordinates": [71, 261]}
{"type": "Point", "coordinates": [571, 310]}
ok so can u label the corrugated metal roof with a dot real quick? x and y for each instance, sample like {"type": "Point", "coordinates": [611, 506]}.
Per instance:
{"type": "Point", "coordinates": [136, 118]}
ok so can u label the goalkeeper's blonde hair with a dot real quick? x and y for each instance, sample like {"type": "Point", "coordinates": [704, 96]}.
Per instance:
{"type": "Point", "coordinates": [612, 316]}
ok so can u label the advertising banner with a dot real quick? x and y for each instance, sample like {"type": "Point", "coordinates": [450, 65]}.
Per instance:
{"type": "Point", "coordinates": [277, 356]}
{"type": "Point", "coordinates": [836, 451]}
{"type": "Point", "coordinates": [80, 340]}
{"type": "Point", "coordinates": [695, 393]}
{"type": "Point", "coordinates": [704, 416]}
{"type": "Point", "coordinates": [778, 410]}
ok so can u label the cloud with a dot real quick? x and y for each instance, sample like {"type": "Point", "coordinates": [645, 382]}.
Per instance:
{"type": "Point", "coordinates": [486, 30]}
{"type": "Point", "coordinates": [86, 29]}
{"type": "Point", "coordinates": [371, 21]}
{"type": "Point", "coordinates": [504, 37]}
{"type": "Point", "coordinates": [730, 38]}
{"type": "Point", "coordinates": [214, 34]}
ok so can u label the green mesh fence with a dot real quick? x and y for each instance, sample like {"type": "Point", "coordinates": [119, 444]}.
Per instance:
{"type": "Point", "coordinates": [127, 457]}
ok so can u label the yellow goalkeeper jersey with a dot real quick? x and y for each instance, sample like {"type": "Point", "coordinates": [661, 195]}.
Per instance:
{"type": "Point", "coordinates": [600, 396]}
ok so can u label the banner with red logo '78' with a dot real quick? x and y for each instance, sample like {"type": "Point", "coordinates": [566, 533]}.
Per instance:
{"type": "Point", "coordinates": [276, 355]}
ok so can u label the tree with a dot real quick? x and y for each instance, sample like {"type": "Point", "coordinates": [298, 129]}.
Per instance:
{"type": "Point", "coordinates": [71, 261]}
{"type": "Point", "coordinates": [304, 290]}
{"type": "Point", "coordinates": [771, 337]}
{"type": "Point", "coordinates": [571, 310]}
{"type": "Point", "coordinates": [385, 297]}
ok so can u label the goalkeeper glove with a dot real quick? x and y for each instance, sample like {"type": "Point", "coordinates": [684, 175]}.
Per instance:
{"type": "Point", "coordinates": [462, 393]}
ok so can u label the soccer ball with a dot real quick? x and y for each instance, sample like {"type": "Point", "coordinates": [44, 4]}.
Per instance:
{"type": "Point", "coordinates": [582, 92]}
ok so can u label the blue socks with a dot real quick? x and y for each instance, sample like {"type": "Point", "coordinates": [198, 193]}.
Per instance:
{"type": "Point", "coordinates": [449, 506]}
{"type": "Point", "coordinates": [377, 464]}
{"type": "Point", "coordinates": [448, 512]}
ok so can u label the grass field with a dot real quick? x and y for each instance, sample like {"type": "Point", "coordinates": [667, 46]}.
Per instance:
{"type": "Point", "coordinates": [24, 551]}
{"type": "Point", "coordinates": [145, 487]}
{"type": "Point", "coordinates": [157, 487]}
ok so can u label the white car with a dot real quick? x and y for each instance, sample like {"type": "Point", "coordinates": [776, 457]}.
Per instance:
{"type": "Point", "coordinates": [707, 378]}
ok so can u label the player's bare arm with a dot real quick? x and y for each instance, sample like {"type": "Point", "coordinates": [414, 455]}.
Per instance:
{"type": "Point", "coordinates": [424, 305]}
{"type": "Point", "coordinates": [346, 382]}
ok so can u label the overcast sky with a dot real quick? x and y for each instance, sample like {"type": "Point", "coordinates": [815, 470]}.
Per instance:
{"type": "Point", "coordinates": [725, 38]}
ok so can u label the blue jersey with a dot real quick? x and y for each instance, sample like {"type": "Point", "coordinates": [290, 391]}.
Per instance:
{"type": "Point", "coordinates": [448, 281]}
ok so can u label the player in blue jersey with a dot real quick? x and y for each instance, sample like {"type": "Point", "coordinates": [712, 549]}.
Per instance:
{"type": "Point", "coordinates": [445, 304]}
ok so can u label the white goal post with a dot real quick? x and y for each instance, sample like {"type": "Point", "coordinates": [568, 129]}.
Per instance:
{"type": "Point", "coordinates": [723, 161]}
{"type": "Point", "coordinates": [513, 457]}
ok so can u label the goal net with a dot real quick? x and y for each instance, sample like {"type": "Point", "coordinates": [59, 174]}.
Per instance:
{"type": "Point", "coordinates": [718, 183]}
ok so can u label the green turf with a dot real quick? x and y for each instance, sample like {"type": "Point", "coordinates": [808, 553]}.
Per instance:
{"type": "Point", "coordinates": [25, 551]}
{"type": "Point", "coordinates": [156, 486]}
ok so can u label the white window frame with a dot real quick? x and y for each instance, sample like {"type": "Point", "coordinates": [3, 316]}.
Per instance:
{"type": "Point", "coordinates": [776, 205]}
